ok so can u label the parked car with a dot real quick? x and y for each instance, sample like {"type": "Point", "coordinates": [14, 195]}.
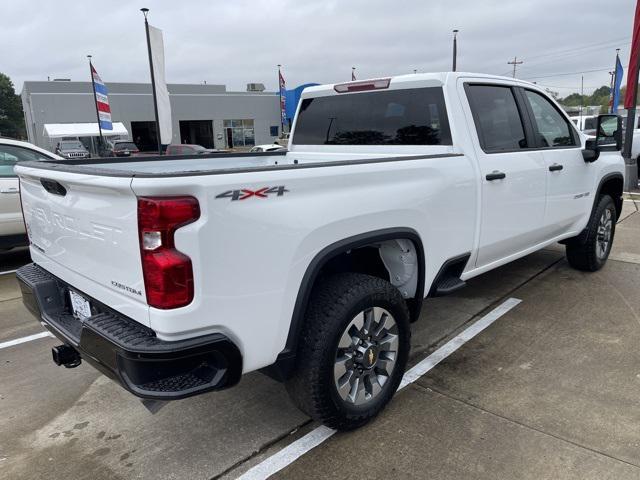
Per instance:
{"type": "Point", "coordinates": [635, 144]}
{"type": "Point", "coordinates": [121, 148]}
{"type": "Point", "coordinates": [584, 122]}
{"type": "Point", "coordinates": [176, 276]}
{"type": "Point", "coordinates": [72, 149]}
{"type": "Point", "coordinates": [273, 147]}
{"type": "Point", "coordinates": [188, 149]}
{"type": "Point", "coordinates": [12, 232]}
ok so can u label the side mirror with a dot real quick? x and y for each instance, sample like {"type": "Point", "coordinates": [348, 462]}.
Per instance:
{"type": "Point", "coordinates": [591, 152]}
{"type": "Point", "coordinates": [609, 132]}
{"type": "Point", "coordinates": [608, 137]}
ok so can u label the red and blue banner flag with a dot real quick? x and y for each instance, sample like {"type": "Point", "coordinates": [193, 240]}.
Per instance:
{"type": "Point", "coordinates": [102, 101]}
{"type": "Point", "coordinates": [283, 92]}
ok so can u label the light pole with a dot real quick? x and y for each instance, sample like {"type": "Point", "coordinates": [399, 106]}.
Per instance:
{"type": "Point", "coordinates": [455, 48]}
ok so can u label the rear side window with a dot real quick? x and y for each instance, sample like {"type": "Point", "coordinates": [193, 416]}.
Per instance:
{"type": "Point", "coordinates": [496, 117]}
{"type": "Point", "coordinates": [393, 117]}
{"type": "Point", "coordinates": [552, 129]}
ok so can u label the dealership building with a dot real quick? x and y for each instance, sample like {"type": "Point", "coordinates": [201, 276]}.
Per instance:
{"type": "Point", "coordinates": [207, 115]}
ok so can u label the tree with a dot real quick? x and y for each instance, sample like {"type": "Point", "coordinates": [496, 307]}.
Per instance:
{"type": "Point", "coordinates": [11, 115]}
{"type": "Point", "coordinates": [600, 96]}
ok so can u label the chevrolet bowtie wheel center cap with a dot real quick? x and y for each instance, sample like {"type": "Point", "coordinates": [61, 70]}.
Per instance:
{"type": "Point", "coordinates": [366, 355]}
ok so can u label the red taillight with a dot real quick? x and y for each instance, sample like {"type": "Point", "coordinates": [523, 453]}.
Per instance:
{"type": "Point", "coordinates": [168, 274]}
{"type": "Point", "coordinates": [378, 84]}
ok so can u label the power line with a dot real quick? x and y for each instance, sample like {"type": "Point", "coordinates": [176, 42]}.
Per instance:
{"type": "Point", "coordinates": [570, 73]}
{"type": "Point", "coordinates": [562, 58]}
{"type": "Point", "coordinates": [568, 88]}
{"type": "Point", "coordinates": [560, 52]}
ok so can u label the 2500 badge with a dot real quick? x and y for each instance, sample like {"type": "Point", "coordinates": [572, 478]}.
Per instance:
{"type": "Point", "coordinates": [244, 193]}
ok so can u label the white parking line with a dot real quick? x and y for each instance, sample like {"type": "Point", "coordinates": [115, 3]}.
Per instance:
{"type": "Point", "coordinates": [18, 341]}
{"type": "Point", "coordinates": [295, 450]}
{"type": "Point", "coordinates": [6, 272]}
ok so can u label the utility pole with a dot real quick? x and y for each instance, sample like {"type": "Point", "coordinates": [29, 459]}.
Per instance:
{"type": "Point", "coordinates": [581, 101]}
{"type": "Point", "coordinates": [611, 75]}
{"type": "Point", "coordinates": [145, 11]}
{"type": "Point", "coordinates": [455, 49]}
{"type": "Point", "coordinates": [515, 63]}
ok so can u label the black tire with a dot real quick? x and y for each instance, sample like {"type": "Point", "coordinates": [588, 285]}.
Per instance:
{"type": "Point", "coordinates": [333, 305]}
{"type": "Point", "coordinates": [582, 252]}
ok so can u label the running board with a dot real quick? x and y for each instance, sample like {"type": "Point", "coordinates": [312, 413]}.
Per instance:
{"type": "Point", "coordinates": [448, 279]}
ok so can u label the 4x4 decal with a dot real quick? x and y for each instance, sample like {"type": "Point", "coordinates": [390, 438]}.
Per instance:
{"type": "Point", "coordinates": [245, 193]}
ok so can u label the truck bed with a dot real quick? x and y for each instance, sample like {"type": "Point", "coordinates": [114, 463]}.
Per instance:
{"type": "Point", "coordinates": [160, 165]}
{"type": "Point", "coordinates": [154, 166]}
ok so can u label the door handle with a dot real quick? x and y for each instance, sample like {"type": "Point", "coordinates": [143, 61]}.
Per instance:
{"type": "Point", "coordinates": [10, 190]}
{"type": "Point", "coordinates": [556, 167]}
{"type": "Point", "coordinates": [495, 175]}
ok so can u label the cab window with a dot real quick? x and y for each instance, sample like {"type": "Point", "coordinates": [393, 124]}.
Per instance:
{"type": "Point", "coordinates": [551, 128]}
{"type": "Point", "coordinates": [416, 116]}
{"type": "Point", "coordinates": [497, 118]}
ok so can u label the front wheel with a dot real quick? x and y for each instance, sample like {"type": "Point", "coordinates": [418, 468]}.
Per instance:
{"type": "Point", "coordinates": [353, 351]}
{"type": "Point", "coordinates": [591, 254]}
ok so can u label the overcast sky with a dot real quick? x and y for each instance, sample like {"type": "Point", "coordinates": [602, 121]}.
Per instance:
{"type": "Point", "coordinates": [234, 42]}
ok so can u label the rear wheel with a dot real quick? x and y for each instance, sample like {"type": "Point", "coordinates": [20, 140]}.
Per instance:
{"type": "Point", "coordinates": [592, 252]}
{"type": "Point", "coordinates": [353, 351]}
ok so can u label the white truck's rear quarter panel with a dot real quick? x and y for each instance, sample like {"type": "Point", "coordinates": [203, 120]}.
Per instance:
{"type": "Point", "coordinates": [249, 256]}
{"type": "Point", "coordinates": [88, 237]}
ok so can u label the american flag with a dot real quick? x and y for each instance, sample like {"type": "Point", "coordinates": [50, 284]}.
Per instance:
{"type": "Point", "coordinates": [102, 101]}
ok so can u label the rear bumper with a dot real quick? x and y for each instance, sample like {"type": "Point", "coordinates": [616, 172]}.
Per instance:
{"type": "Point", "coordinates": [127, 351]}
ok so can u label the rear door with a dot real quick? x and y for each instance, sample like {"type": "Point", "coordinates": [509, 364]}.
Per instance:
{"type": "Point", "coordinates": [513, 173]}
{"type": "Point", "coordinates": [570, 178]}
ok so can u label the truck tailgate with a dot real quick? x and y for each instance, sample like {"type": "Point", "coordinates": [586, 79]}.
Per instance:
{"type": "Point", "coordinates": [83, 229]}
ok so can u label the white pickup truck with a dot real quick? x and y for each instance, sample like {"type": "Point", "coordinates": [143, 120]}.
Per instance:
{"type": "Point", "coordinates": [176, 276]}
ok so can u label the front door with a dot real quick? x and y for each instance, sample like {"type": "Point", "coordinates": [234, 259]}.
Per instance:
{"type": "Point", "coordinates": [570, 179]}
{"type": "Point", "coordinates": [513, 174]}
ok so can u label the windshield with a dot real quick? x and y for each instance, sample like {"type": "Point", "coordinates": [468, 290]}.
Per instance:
{"type": "Point", "coordinates": [125, 146]}
{"type": "Point", "coordinates": [72, 144]}
{"type": "Point", "coordinates": [394, 117]}
{"type": "Point", "coordinates": [590, 123]}
{"type": "Point", "coordinates": [198, 148]}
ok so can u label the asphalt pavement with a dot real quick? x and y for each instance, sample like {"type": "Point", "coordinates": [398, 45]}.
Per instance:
{"type": "Point", "coordinates": [550, 390]}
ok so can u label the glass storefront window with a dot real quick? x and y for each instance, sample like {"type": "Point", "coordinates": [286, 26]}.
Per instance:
{"type": "Point", "coordinates": [239, 133]}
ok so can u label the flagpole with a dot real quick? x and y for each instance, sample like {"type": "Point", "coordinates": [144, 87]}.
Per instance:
{"type": "Point", "coordinates": [145, 11]}
{"type": "Point", "coordinates": [95, 102]}
{"type": "Point", "coordinates": [615, 80]}
{"type": "Point", "coordinates": [280, 101]}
